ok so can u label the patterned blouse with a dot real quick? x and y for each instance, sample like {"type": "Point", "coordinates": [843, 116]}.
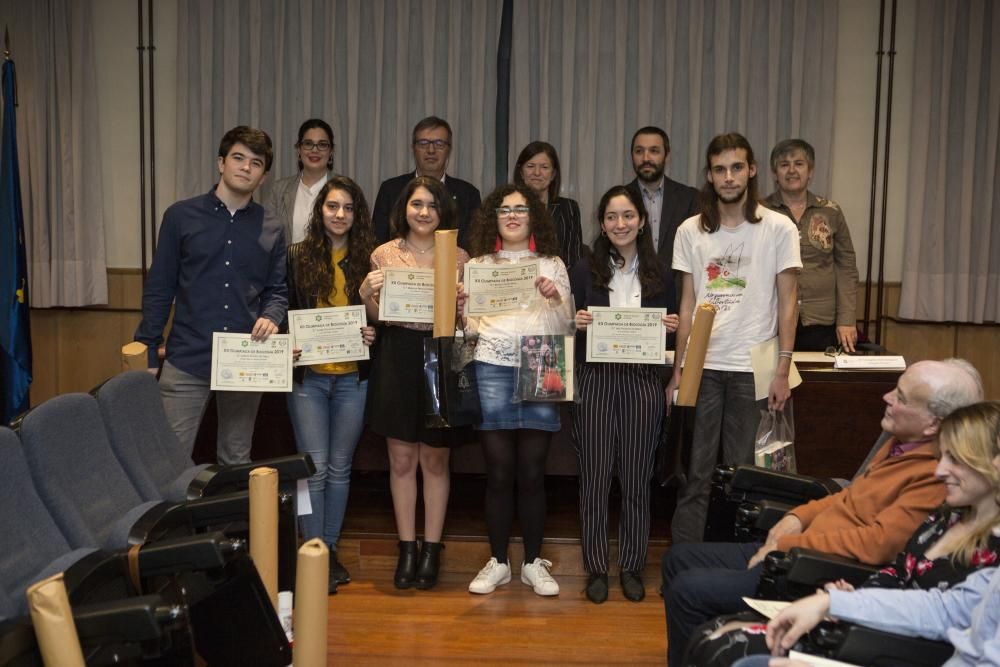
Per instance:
{"type": "Point", "coordinates": [396, 253]}
{"type": "Point", "coordinates": [912, 569]}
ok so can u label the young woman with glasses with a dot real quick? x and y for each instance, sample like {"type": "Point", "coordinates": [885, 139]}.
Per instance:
{"type": "Point", "coordinates": [291, 199]}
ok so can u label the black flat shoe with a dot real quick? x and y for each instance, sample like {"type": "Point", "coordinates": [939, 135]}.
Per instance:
{"type": "Point", "coordinates": [632, 586]}
{"type": "Point", "coordinates": [429, 566]}
{"type": "Point", "coordinates": [338, 572]}
{"type": "Point", "coordinates": [597, 588]}
{"type": "Point", "coordinates": [406, 566]}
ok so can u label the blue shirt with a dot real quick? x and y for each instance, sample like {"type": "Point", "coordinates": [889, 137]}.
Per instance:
{"type": "Point", "coordinates": [224, 271]}
{"type": "Point", "coordinates": [966, 615]}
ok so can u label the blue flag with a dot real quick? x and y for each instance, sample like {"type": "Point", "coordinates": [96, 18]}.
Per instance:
{"type": "Point", "coordinates": [15, 331]}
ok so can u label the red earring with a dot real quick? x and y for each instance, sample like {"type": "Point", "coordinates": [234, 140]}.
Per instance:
{"type": "Point", "coordinates": [499, 246]}
{"type": "Point", "coordinates": [531, 244]}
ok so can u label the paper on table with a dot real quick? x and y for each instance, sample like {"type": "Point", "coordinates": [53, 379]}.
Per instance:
{"type": "Point", "coordinates": [302, 500]}
{"type": "Point", "coordinates": [764, 360]}
{"type": "Point", "coordinates": [264, 528]}
{"type": "Point", "coordinates": [769, 608]}
{"type": "Point", "coordinates": [309, 620]}
{"type": "Point", "coordinates": [817, 661]}
{"type": "Point", "coordinates": [52, 617]}
{"type": "Point", "coordinates": [445, 281]}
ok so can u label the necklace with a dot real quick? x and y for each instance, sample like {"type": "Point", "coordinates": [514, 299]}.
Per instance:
{"type": "Point", "coordinates": [414, 248]}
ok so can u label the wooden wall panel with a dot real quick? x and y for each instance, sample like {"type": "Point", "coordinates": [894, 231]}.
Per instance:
{"type": "Point", "coordinates": [981, 346]}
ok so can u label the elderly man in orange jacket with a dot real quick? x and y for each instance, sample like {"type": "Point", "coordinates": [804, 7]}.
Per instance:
{"type": "Point", "coordinates": [870, 520]}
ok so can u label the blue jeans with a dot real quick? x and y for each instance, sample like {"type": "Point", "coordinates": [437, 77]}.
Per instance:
{"type": "Point", "coordinates": [726, 416]}
{"type": "Point", "coordinates": [328, 413]}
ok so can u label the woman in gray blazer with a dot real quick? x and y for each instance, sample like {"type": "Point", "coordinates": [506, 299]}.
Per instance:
{"type": "Point", "coordinates": [291, 199]}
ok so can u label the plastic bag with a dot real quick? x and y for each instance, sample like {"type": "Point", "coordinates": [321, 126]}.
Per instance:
{"type": "Point", "coordinates": [452, 390]}
{"type": "Point", "coordinates": [774, 447]}
{"type": "Point", "coordinates": [546, 353]}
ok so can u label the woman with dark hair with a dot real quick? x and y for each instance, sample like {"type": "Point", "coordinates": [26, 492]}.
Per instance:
{"type": "Point", "coordinates": [327, 400]}
{"type": "Point", "coordinates": [396, 407]}
{"type": "Point", "coordinates": [616, 424]}
{"type": "Point", "coordinates": [513, 225]}
{"type": "Point", "coordinates": [538, 168]}
{"type": "Point", "coordinates": [291, 199]}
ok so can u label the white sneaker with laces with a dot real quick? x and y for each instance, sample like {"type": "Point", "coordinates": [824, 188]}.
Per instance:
{"type": "Point", "coordinates": [492, 575]}
{"type": "Point", "coordinates": [536, 574]}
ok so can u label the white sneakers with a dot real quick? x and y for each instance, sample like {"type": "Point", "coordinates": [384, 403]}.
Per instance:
{"type": "Point", "coordinates": [492, 575]}
{"type": "Point", "coordinates": [536, 574]}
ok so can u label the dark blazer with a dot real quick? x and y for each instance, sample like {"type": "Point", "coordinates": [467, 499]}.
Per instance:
{"type": "Point", "coordinates": [581, 282]}
{"type": "Point", "coordinates": [466, 196]}
{"type": "Point", "coordinates": [679, 203]}
{"type": "Point", "coordinates": [298, 299]}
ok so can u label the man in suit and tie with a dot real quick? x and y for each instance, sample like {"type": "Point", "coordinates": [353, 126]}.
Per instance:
{"type": "Point", "coordinates": [668, 203]}
{"type": "Point", "coordinates": [431, 145]}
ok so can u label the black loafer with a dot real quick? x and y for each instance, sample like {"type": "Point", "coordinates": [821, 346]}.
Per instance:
{"type": "Point", "coordinates": [597, 588]}
{"type": "Point", "coordinates": [632, 586]}
{"type": "Point", "coordinates": [338, 572]}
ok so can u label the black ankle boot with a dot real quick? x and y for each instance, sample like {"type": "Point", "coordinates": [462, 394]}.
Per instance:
{"type": "Point", "coordinates": [406, 566]}
{"type": "Point", "coordinates": [430, 564]}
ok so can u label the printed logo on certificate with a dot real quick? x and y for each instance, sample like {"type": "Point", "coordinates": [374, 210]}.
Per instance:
{"type": "Point", "coordinates": [328, 335]}
{"type": "Point", "coordinates": [240, 363]}
{"type": "Point", "coordinates": [626, 335]}
{"type": "Point", "coordinates": [499, 288]}
{"type": "Point", "coordinates": [407, 295]}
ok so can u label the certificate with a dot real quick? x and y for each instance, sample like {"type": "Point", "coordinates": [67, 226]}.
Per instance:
{"type": "Point", "coordinates": [626, 335]}
{"type": "Point", "coordinates": [242, 364]}
{"type": "Point", "coordinates": [407, 295]}
{"type": "Point", "coordinates": [499, 288]}
{"type": "Point", "coordinates": [328, 335]}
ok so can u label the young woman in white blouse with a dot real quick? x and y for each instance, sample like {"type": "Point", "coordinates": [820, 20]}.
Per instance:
{"type": "Point", "coordinates": [616, 424]}
{"type": "Point", "coordinates": [291, 199]}
{"type": "Point", "coordinates": [513, 225]}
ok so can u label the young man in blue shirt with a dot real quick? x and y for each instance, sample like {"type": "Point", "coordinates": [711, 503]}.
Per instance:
{"type": "Point", "coordinates": [221, 260]}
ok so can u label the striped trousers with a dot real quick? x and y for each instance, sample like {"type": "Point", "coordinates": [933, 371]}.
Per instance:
{"type": "Point", "coordinates": [616, 427]}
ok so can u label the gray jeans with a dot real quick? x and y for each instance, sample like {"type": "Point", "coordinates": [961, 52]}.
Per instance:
{"type": "Point", "coordinates": [184, 399]}
{"type": "Point", "coordinates": [726, 414]}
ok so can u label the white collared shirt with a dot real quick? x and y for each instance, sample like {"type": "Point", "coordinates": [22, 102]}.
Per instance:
{"type": "Point", "coordinates": [624, 288]}
{"type": "Point", "coordinates": [305, 196]}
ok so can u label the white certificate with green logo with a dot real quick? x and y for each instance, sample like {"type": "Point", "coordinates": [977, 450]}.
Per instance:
{"type": "Point", "coordinates": [407, 295]}
{"type": "Point", "coordinates": [242, 364]}
{"type": "Point", "coordinates": [328, 335]}
{"type": "Point", "coordinates": [626, 335]}
{"type": "Point", "coordinates": [499, 288]}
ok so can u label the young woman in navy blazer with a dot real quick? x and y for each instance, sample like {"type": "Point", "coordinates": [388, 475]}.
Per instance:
{"type": "Point", "coordinates": [616, 424]}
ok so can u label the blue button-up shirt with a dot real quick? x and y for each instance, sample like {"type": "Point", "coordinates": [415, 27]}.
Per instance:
{"type": "Point", "coordinates": [224, 272]}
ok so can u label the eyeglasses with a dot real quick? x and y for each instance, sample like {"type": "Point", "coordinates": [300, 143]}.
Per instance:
{"type": "Point", "coordinates": [833, 351]}
{"type": "Point", "coordinates": [424, 144]}
{"type": "Point", "coordinates": [321, 146]}
{"type": "Point", "coordinates": [508, 211]}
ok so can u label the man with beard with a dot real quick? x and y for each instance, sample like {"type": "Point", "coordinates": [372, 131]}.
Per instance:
{"type": "Point", "coordinates": [668, 203]}
{"type": "Point", "coordinates": [220, 261]}
{"type": "Point", "coordinates": [744, 260]}
{"type": "Point", "coordinates": [828, 284]}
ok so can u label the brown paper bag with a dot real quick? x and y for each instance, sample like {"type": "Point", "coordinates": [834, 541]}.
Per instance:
{"type": "Point", "coordinates": [445, 281]}
{"type": "Point", "coordinates": [53, 620]}
{"type": "Point", "coordinates": [264, 528]}
{"type": "Point", "coordinates": [134, 356]}
{"type": "Point", "coordinates": [309, 620]}
{"type": "Point", "coordinates": [694, 359]}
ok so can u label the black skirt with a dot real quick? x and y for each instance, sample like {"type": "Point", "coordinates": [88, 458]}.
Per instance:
{"type": "Point", "coordinates": [397, 393]}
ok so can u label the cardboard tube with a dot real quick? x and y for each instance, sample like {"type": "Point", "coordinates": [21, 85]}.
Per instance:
{"type": "Point", "coordinates": [694, 359]}
{"type": "Point", "coordinates": [53, 620]}
{"type": "Point", "coordinates": [264, 528]}
{"type": "Point", "coordinates": [445, 281]}
{"type": "Point", "coordinates": [309, 620]}
{"type": "Point", "coordinates": [134, 356]}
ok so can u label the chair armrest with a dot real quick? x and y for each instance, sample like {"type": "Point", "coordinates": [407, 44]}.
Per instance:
{"type": "Point", "coordinates": [205, 551]}
{"type": "Point", "coordinates": [217, 479]}
{"type": "Point", "coordinates": [849, 642]}
{"type": "Point", "coordinates": [129, 620]}
{"type": "Point", "coordinates": [762, 483]}
{"type": "Point", "coordinates": [814, 568]}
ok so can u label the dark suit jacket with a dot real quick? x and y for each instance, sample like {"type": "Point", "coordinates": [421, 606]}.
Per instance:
{"type": "Point", "coordinates": [586, 295]}
{"type": "Point", "coordinates": [466, 196]}
{"type": "Point", "coordinates": [679, 203]}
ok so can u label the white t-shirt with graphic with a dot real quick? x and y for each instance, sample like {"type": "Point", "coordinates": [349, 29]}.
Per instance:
{"type": "Point", "coordinates": [736, 270]}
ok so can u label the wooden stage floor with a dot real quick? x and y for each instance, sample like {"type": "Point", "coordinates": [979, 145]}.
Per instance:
{"type": "Point", "coordinates": [373, 623]}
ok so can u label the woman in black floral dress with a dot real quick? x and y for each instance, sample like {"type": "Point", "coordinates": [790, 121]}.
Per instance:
{"type": "Point", "coordinates": [961, 536]}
